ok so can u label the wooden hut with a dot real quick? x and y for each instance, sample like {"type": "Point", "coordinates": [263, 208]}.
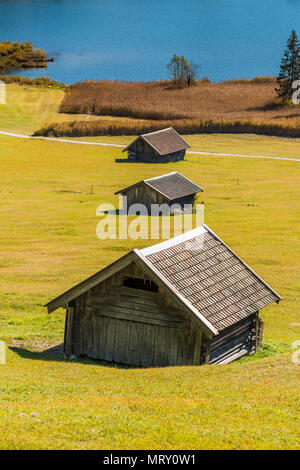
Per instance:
{"type": "Point", "coordinates": [188, 300]}
{"type": "Point", "coordinates": [172, 188]}
{"type": "Point", "coordinates": [161, 146]}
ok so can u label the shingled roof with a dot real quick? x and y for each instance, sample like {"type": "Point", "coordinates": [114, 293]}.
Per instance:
{"type": "Point", "coordinates": [200, 272]}
{"type": "Point", "coordinates": [210, 276]}
{"type": "Point", "coordinates": [172, 185]}
{"type": "Point", "coordinates": [164, 142]}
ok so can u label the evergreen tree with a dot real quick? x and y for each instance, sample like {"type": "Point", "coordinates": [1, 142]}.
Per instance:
{"type": "Point", "coordinates": [289, 69]}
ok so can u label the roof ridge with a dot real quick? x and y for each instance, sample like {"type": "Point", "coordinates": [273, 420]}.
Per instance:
{"type": "Point", "coordinates": [174, 241]}
{"type": "Point", "coordinates": [157, 132]}
{"type": "Point", "coordinates": [163, 176]}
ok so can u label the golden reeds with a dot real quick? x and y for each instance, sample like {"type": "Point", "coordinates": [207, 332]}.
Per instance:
{"type": "Point", "coordinates": [134, 127]}
{"type": "Point", "coordinates": [236, 106]}
{"type": "Point", "coordinates": [234, 100]}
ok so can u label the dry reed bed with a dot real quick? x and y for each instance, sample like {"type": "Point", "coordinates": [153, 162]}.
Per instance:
{"type": "Point", "coordinates": [237, 106]}
{"type": "Point", "coordinates": [232, 100]}
{"type": "Point", "coordinates": [133, 127]}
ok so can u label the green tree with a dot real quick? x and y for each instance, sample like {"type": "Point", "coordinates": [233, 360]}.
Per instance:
{"type": "Point", "coordinates": [289, 68]}
{"type": "Point", "coordinates": [182, 72]}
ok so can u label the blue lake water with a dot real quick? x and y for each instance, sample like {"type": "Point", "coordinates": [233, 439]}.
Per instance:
{"type": "Point", "coordinates": [135, 39]}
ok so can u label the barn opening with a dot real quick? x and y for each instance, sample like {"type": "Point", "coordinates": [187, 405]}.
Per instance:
{"type": "Point", "coordinates": [137, 283]}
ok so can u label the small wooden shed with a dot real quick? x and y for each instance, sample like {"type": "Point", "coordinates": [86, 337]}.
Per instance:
{"type": "Point", "coordinates": [172, 188]}
{"type": "Point", "coordinates": [161, 146]}
{"type": "Point", "coordinates": [188, 300]}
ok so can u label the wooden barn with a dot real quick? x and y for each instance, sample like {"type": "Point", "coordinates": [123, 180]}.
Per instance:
{"type": "Point", "coordinates": [172, 188]}
{"type": "Point", "coordinates": [188, 300]}
{"type": "Point", "coordinates": [157, 147]}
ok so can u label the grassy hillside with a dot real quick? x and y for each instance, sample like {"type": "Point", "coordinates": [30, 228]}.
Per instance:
{"type": "Point", "coordinates": [29, 107]}
{"type": "Point", "coordinates": [87, 406]}
{"type": "Point", "coordinates": [48, 226]}
{"type": "Point", "coordinates": [246, 144]}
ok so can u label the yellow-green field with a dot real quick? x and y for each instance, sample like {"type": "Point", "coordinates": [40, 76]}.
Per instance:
{"type": "Point", "coordinates": [30, 107]}
{"type": "Point", "coordinates": [48, 243]}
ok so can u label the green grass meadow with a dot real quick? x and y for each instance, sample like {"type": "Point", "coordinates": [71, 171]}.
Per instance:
{"type": "Point", "coordinates": [48, 243]}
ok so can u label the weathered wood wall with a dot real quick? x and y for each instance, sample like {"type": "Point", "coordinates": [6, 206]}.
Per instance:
{"type": "Point", "coordinates": [173, 157]}
{"type": "Point", "coordinates": [141, 151]}
{"type": "Point", "coordinates": [138, 327]}
{"type": "Point", "coordinates": [143, 194]}
{"type": "Point", "coordinates": [131, 326]}
{"type": "Point", "coordinates": [234, 342]}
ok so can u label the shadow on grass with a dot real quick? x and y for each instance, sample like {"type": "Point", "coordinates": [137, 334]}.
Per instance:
{"type": "Point", "coordinates": [52, 354]}
{"type": "Point", "coordinates": [56, 354]}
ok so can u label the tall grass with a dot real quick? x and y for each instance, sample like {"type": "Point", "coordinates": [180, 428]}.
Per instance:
{"type": "Point", "coordinates": [134, 127]}
{"type": "Point", "coordinates": [239, 99]}
{"type": "Point", "coordinates": [236, 106]}
{"type": "Point", "coordinates": [231, 100]}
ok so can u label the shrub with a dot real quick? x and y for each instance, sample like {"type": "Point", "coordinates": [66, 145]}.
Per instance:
{"type": "Point", "coordinates": [40, 81]}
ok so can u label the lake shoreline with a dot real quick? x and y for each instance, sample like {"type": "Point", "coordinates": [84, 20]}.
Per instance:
{"type": "Point", "coordinates": [16, 57]}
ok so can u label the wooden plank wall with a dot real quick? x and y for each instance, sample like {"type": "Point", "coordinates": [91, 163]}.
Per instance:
{"type": "Point", "coordinates": [142, 151]}
{"type": "Point", "coordinates": [139, 344]}
{"type": "Point", "coordinates": [142, 194]}
{"type": "Point", "coordinates": [173, 157]}
{"type": "Point", "coordinates": [234, 342]}
{"type": "Point", "coordinates": [132, 326]}
{"type": "Point", "coordinates": [143, 328]}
